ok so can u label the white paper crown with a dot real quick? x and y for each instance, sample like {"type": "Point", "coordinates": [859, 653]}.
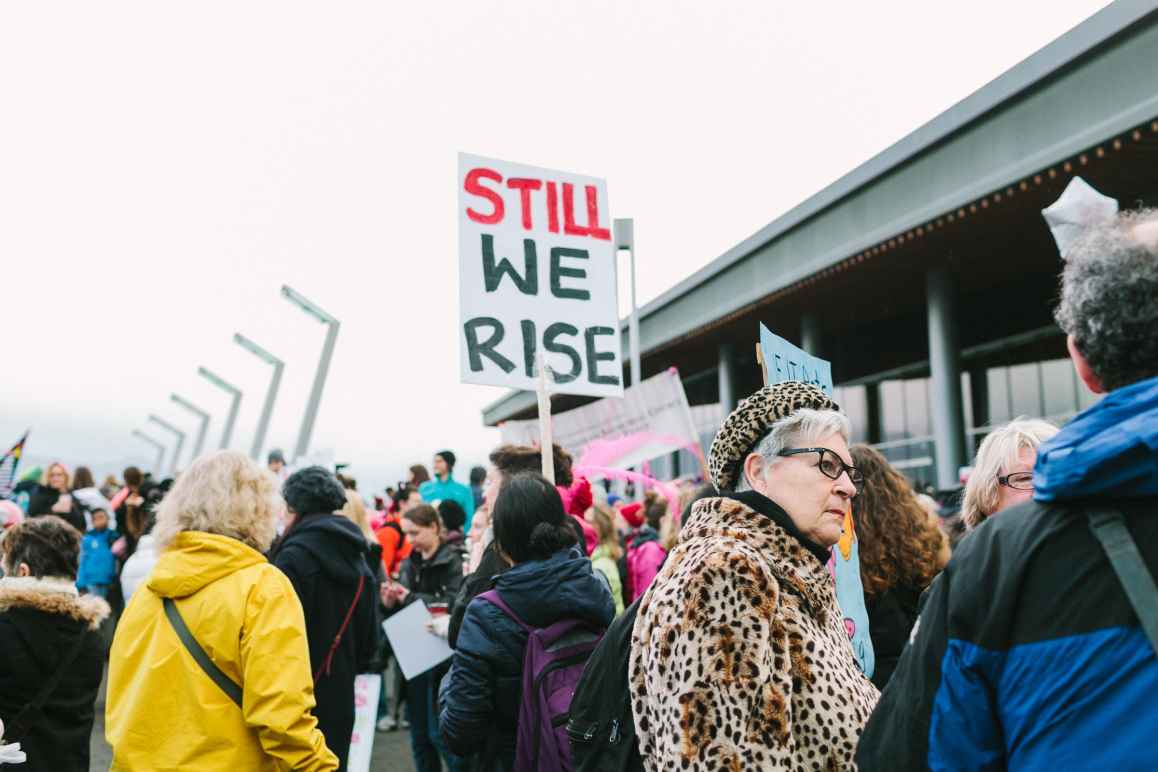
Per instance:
{"type": "Point", "coordinates": [1079, 208]}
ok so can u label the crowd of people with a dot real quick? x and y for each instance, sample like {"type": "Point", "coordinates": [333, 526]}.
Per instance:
{"type": "Point", "coordinates": [595, 629]}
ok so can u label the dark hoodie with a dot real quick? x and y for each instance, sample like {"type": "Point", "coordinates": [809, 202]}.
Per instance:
{"type": "Point", "coordinates": [324, 556]}
{"type": "Point", "coordinates": [481, 696]}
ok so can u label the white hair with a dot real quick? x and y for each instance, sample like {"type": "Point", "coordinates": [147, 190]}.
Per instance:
{"type": "Point", "coordinates": [999, 450]}
{"type": "Point", "coordinates": [223, 493]}
{"type": "Point", "coordinates": [803, 428]}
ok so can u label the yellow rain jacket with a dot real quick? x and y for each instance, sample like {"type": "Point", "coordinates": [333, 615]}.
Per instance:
{"type": "Point", "coordinates": [164, 713]}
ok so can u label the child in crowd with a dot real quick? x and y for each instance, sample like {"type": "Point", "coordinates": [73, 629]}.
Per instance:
{"type": "Point", "coordinates": [645, 554]}
{"type": "Point", "coordinates": [98, 565]}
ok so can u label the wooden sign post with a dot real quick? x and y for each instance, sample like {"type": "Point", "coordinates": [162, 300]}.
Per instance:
{"type": "Point", "coordinates": [546, 441]}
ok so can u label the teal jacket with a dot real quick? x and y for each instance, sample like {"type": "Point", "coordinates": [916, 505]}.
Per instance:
{"type": "Point", "coordinates": [437, 490]}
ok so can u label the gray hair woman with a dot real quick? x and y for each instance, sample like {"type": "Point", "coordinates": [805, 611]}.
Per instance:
{"type": "Point", "coordinates": [740, 658]}
{"type": "Point", "coordinates": [1002, 473]}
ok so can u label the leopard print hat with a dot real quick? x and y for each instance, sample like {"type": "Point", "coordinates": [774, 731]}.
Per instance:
{"type": "Point", "coordinates": [751, 420]}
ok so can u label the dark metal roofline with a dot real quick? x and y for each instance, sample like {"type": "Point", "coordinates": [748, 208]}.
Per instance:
{"type": "Point", "coordinates": [1102, 26]}
{"type": "Point", "coordinates": [1106, 24]}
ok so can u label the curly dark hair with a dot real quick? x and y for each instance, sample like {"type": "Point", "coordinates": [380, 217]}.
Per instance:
{"type": "Point", "coordinates": [898, 544]}
{"type": "Point", "coordinates": [48, 545]}
{"type": "Point", "coordinates": [1107, 299]}
{"type": "Point", "coordinates": [312, 491]}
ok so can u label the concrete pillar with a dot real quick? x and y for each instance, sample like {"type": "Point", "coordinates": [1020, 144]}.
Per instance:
{"type": "Point", "coordinates": [872, 398]}
{"type": "Point", "coordinates": [944, 362]}
{"type": "Point", "coordinates": [810, 335]}
{"type": "Point", "coordinates": [727, 377]}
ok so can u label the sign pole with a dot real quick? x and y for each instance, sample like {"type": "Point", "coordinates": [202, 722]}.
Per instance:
{"type": "Point", "coordinates": [546, 442]}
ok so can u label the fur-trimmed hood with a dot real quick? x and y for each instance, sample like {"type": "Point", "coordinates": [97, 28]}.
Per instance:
{"type": "Point", "coordinates": [52, 596]}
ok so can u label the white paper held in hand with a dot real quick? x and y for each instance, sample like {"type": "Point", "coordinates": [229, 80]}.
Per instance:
{"type": "Point", "coordinates": [416, 648]}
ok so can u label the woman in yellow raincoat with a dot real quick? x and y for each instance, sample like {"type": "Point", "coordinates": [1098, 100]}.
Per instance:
{"type": "Point", "coordinates": [244, 701]}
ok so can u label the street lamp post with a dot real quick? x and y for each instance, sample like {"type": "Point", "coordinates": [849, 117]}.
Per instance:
{"type": "Point", "coordinates": [323, 366]}
{"type": "Point", "coordinates": [200, 444]}
{"type": "Point", "coordinates": [270, 394]}
{"type": "Point", "coordinates": [233, 391]}
{"type": "Point", "coordinates": [160, 446]}
{"type": "Point", "coordinates": [180, 440]}
{"type": "Point", "coordinates": [625, 239]}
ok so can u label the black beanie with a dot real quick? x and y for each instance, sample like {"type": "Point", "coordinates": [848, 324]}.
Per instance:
{"type": "Point", "coordinates": [313, 490]}
{"type": "Point", "coordinates": [447, 456]}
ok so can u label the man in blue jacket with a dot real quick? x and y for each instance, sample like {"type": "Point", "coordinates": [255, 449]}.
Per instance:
{"type": "Point", "coordinates": [1028, 653]}
{"type": "Point", "coordinates": [444, 486]}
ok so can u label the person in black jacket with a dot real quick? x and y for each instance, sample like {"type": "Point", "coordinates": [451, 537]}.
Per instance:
{"type": "Point", "coordinates": [1029, 653]}
{"type": "Point", "coordinates": [901, 550]}
{"type": "Point", "coordinates": [53, 655]}
{"type": "Point", "coordinates": [550, 579]}
{"type": "Point", "coordinates": [54, 497]}
{"type": "Point", "coordinates": [324, 555]}
{"type": "Point", "coordinates": [432, 574]}
{"type": "Point", "coordinates": [506, 461]}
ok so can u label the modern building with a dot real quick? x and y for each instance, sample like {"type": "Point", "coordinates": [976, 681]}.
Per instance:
{"type": "Point", "coordinates": [927, 275]}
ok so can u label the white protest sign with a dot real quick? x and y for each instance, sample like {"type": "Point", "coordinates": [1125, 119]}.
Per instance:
{"type": "Point", "coordinates": [536, 273]}
{"type": "Point", "coordinates": [655, 412]}
{"type": "Point", "coordinates": [785, 362]}
{"type": "Point", "coordinates": [416, 648]}
{"type": "Point", "coordinates": [366, 688]}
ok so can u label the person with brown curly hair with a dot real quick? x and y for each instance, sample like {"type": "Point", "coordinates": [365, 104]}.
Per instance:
{"type": "Point", "coordinates": [901, 550]}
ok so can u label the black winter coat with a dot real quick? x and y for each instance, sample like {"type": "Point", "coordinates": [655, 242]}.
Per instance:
{"type": "Point", "coordinates": [43, 499]}
{"type": "Point", "coordinates": [891, 616]}
{"type": "Point", "coordinates": [483, 579]}
{"type": "Point", "coordinates": [479, 703]}
{"type": "Point", "coordinates": [324, 556]}
{"type": "Point", "coordinates": [38, 629]}
{"type": "Point", "coordinates": [433, 581]}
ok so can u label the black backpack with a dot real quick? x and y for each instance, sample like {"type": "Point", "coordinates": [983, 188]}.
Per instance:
{"type": "Point", "coordinates": [601, 726]}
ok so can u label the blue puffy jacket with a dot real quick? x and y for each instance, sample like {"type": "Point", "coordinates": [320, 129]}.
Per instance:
{"type": "Point", "coordinates": [98, 565]}
{"type": "Point", "coordinates": [481, 694]}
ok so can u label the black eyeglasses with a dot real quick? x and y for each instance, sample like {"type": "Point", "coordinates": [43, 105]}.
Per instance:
{"type": "Point", "coordinates": [1019, 481]}
{"type": "Point", "coordinates": [831, 465]}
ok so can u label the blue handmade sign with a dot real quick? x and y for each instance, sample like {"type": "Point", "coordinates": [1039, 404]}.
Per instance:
{"type": "Point", "coordinates": [786, 362]}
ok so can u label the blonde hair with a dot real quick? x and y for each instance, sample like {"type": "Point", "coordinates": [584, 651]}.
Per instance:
{"type": "Point", "coordinates": [47, 473]}
{"type": "Point", "coordinates": [355, 510]}
{"type": "Point", "coordinates": [999, 450]}
{"type": "Point", "coordinates": [605, 525]}
{"type": "Point", "coordinates": [226, 494]}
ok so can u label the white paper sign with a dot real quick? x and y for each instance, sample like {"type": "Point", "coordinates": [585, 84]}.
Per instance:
{"type": "Point", "coordinates": [416, 648]}
{"type": "Point", "coordinates": [536, 272]}
{"type": "Point", "coordinates": [656, 411]}
{"type": "Point", "coordinates": [366, 688]}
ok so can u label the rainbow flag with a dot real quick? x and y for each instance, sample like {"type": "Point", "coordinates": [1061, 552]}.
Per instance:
{"type": "Point", "coordinates": [8, 465]}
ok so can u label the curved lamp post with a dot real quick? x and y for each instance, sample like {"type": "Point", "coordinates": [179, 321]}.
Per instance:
{"type": "Point", "coordinates": [180, 439]}
{"type": "Point", "coordinates": [323, 366]}
{"type": "Point", "coordinates": [270, 394]}
{"type": "Point", "coordinates": [160, 447]}
{"type": "Point", "coordinates": [233, 391]}
{"type": "Point", "coordinates": [200, 444]}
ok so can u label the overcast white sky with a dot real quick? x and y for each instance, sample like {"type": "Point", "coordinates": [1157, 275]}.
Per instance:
{"type": "Point", "coordinates": [164, 168]}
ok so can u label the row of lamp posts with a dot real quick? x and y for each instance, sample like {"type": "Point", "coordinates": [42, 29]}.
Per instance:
{"type": "Point", "coordinates": [307, 427]}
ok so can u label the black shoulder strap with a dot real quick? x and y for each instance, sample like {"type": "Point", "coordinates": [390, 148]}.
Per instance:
{"type": "Point", "coordinates": [232, 690]}
{"type": "Point", "coordinates": [49, 686]}
{"type": "Point", "coordinates": [1110, 527]}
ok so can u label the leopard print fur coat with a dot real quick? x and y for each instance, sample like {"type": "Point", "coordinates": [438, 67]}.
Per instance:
{"type": "Point", "coordinates": [740, 659]}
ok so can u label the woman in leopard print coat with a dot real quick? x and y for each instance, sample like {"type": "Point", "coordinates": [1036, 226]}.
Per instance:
{"type": "Point", "coordinates": [740, 659]}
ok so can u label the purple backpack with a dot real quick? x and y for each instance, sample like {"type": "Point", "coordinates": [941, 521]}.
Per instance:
{"type": "Point", "coordinates": [552, 665]}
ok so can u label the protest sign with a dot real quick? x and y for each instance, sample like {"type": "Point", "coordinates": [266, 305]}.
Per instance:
{"type": "Point", "coordinates": [783, 361]}
{"type": "Point", "coordinates": [366, 688]}
{"type": "Point", "coordinates": [650, 420]}
{"type": "Point", "coordinates": [845, 568]}
{"type": "Point", "coordinates": [536, 274]}
{"type": "Point", "coordinates": [416, 648]}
